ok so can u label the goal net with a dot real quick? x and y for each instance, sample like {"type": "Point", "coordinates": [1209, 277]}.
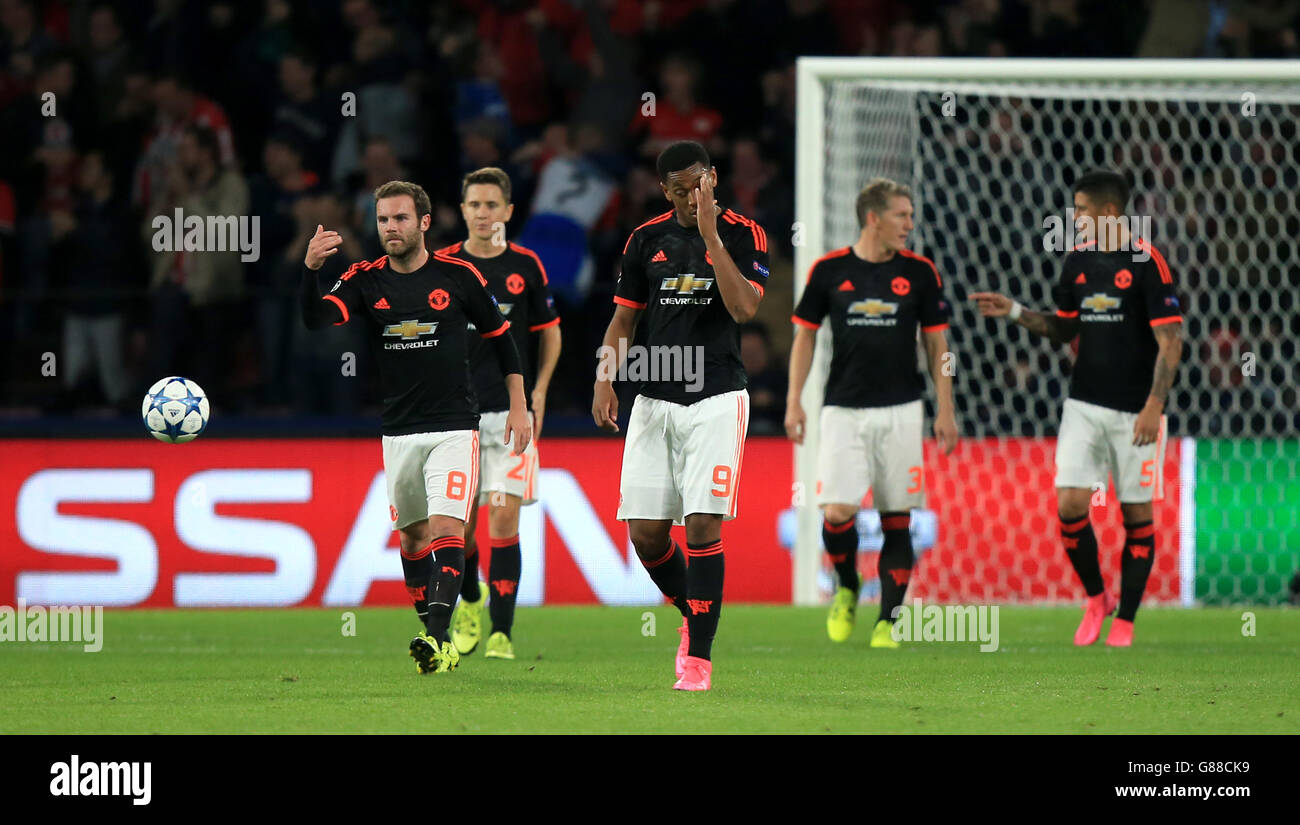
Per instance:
{"type": "Point", "coordinates": [989, 148]}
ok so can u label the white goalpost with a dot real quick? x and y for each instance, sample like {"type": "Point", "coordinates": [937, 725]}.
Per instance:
{"type": "Point", "coordinates": [989, 147]}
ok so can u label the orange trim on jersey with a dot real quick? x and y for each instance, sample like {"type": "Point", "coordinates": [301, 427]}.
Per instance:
{"type": "Point", "coordinates": [1141, 532]}
{"type": "Point", "coordinates": [1176, 319]}
{"type": "Point", "coordinates": [907, 253]}
{"type": "Point", "coordinates": [801, 322]}
{"type": "Point", "coordinates": [837, 528]}
{"type": "Point", "coordinates": [449, 250]}
{"type": "Point", "coordinates": [621, 301]}
{"type": "Point", "coordinates": [838, 253]}
{"type": "Point", "coordinates": [661, 218]}
{"type": "Point", "coordinates": [494, 333]}
{"type": "Point", "coordinates": [466, 264]}
{"type": "Point", "coordinates": [1161, 265]}
{"type": "Point", "coordinates": [342, 308]}
{"type": "Point", "coordinates": [1083, 246]}
{"type": "Point", "coordinates": [757, 286]}
{"type": "Point", "coordinates": [760, 236]}
{"type": "Point", "coordinates": [523, 250]}
{"type": "Point", "coordinates": [935, 328]}
{"type": "Point", "coordinates": [1063, 314]}
{"type": "Point", "coordinates": [549, 323]}
{"type": "Point", "coordinates": [362, 266]}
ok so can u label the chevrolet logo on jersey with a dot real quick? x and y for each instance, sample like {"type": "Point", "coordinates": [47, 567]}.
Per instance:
{"type": "Point", "coordinates": [685, 286]}
{"type": "Point", "coordinates": [872, 312]}
{"type": "Point", "coordinates": [410, 331]}
{"type": "Point", "coordinates": [1100, 302]}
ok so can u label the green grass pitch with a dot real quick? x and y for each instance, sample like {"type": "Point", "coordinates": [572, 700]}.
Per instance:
{"type": "Point", "coordinates": [592, 669]}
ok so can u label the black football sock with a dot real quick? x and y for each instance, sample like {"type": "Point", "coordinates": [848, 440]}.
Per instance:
{"type": "Point", "coordinates": [469, 583]}
{"type": "Point", "coordinates": [444, 583]}
{"type": "Point", "coordinates": [668, 572]}
{"type": "Point", "coordinates": [503, 580]}
{"type": "Point", "coordinates": [704, 577]}
{"type": "Point", "coordinates": [1135, 567]}
{"type": "Point", "coordinates": [416, 569]}
{"type": "Point", "coordinates": [841, 542]}
{"type": "Point", "coordinates": [1081, 546]}
{"type": "Point", "coordinates": [895, 562]}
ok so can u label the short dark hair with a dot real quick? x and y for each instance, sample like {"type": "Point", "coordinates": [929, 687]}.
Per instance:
{"type": "Point", "coordinates": [397, 188]}
{"type": "Point", "coordinates": [207, 141]}
{"type": "Point", "coordinates": [487, 175]}
{"type": "Point", "coordinates": [677, 156]}
{"type": "Point", "coordinates": [1104, 186]}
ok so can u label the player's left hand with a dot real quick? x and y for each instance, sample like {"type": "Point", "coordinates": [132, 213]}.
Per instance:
{"type": "Point", "coordinates": [706, 207]}
{"type": "Point", "coordinates": [519, 428]}
{"type": "Point", "coordinates": [1147, 427]}
{"type": "Point", "coordinates": [945, 431]}
{"type": "Point", "coordinates": [539, 412]}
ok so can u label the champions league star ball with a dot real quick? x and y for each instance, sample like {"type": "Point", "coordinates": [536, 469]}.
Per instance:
{"type": "Point", "coordinates": [175, 410]}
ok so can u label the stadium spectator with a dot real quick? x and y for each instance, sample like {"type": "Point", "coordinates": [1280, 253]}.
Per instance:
{"type": "Point", "coordinates": [756, 188]}
{"type": "Point", "coordinates": [379, 164]}
{"type": "Point", "coordinates": [193, 292]}
{"type": "Point", "coordinates": [676, 113]}
{"type": "Point", "coordinates": [93, 246]}
{"type": "Point", "coordinates": [306, 113]}
{"type": "Point", "coordinates": [177, 108]}
{"type": "Point", "coordinates": [23, 45]}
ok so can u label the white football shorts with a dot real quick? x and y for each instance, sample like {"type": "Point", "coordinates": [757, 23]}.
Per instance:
{"type": "Point", "coordinates": [1096, 443]}
{"type": "Point", "coordinates": [872, 448]}
{"type": "Point", "coordinates": [430, 474]}
{"type": "Point", "coordinates": [514, 475]}
{"type": "Point", "coordinates": [679, 459]}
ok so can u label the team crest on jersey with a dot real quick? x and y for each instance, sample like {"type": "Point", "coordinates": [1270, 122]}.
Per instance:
{"type": "Point", "coordinates": [1101, 302]}
{"type": "Point", "coordinates": [438, 299]}
{"type": "Point", "coordinates": [686, 288]}
{"type": "Point", "coordinates": [872, 312]}
{"type": "Point", "coordinates": [410, 335]}
{"type": "Point", "coordinates": [1123, 279]}
{"type": "Point", "coordinates": [515, 283]}
{"type": "Point", "coordinates": [900, 285]}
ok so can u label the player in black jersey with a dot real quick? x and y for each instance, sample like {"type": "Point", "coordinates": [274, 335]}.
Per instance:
{"type": "Point", "coordinates": [879, 297]}
{"type": "Point", "coordinates": [694, 272]}
{"type": "Point", "coordinates": [1117, 295]}
{"type": "Point", "coordinates": [416, 307]}
{"type": "Point", "coordinates": [517, 279]}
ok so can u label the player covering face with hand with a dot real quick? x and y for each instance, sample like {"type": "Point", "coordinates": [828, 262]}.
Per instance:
{"type": "Point", "coordinates": [878, 296]}
{"type": "Point", "coordinates": [693, 273]}
{"type": "Point", "coordinates": [416, 308]}
{"type": "Point", "coordinates": [1116, 294]}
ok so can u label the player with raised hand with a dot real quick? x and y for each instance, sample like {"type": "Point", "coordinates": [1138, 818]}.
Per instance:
{"type": "Point", "coordinates": [1115, 293]}
{"type": "Point", "coordinates": [694, 272]}
{"type": "Point", "coordinates": [516, 278]}
{"type": "Point", "coordinates": [879, 296]}
{"type": "Point", "coordinates": [416, 307]}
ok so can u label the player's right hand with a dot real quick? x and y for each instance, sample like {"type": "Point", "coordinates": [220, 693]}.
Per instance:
{"type": "Point", "coordinates": [991, 304]}
{"type": "Point", "coordinates": [322, 245]}
{"type": "Point", "coordinates": [604, 406]}
{"type": "Point", "coordinates": [795, 421]}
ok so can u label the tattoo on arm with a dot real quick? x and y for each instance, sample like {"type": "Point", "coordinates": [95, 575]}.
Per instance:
{"type": "Point", "coordinates": [1061, 330]}
{"type": "Point", "coordinates": [1170, 339]}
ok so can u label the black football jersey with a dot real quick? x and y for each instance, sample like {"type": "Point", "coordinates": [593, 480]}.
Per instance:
{"type": "Point", "coordinates": [875, 309]}
{"type": "Point", "coordinates": [668, 273]}
{"type": "Point", "coordinates": [1118, 300]}
{"type": "Point", "coordinates": [517, 279]}
{"type": "Point", "coordinates": [416, 322]}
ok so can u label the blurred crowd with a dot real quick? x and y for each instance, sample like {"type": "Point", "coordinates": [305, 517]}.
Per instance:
{"type": "Point", "coordinates": [115, 113]}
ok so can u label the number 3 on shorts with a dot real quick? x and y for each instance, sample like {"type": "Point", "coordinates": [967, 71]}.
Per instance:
{"type": "Point", "coordinates": [456, 482]}
{"type": "Point", "coordinates": [721, 478]}
{"type": "Point", "coordinates": [915, 473]}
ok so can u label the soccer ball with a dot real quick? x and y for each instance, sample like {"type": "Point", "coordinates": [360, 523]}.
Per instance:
{"type": "Point", "coordinates": [175, 410]}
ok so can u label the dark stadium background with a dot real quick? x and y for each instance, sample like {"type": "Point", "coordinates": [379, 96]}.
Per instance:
{"type": "Point", "coordinates": [441, 88]}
